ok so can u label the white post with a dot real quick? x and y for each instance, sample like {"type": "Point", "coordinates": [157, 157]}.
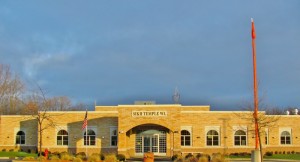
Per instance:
{"type": "Point", "coordinates": [86, 135]}
{"type": "Point", "coordinates": [255, 156]}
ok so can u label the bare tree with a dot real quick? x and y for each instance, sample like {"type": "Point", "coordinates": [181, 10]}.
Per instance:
{"type": "Point", "coordinates": [263, 120]}
{"type": "Point", "coordinates": [38, 107]}
{"type": "Point", "coordinates": [60, 103]}
{"type": "Point", "coordinates": [274, 111]}
{"type": "Point", "coordinates": [11, 88]}
{"type": "Point", "coordinates": [79, 107]}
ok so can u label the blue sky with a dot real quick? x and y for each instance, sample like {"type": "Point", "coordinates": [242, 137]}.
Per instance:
{"type": "Point", "coordinates": [117, 52]}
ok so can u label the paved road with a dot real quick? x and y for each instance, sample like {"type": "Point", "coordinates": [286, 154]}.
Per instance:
{"type": "Point", "coordinates": [5, 160]}
{"type": "Point", "coordinates": [238, 160]}
{"type": "Point", "coordinates": [267, 160]}
{"type": "Point", "coordinates": [241, 160]}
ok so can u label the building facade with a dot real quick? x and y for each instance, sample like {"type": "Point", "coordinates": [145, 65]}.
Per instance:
{"type": "Point", "coordinates": [165, 130]}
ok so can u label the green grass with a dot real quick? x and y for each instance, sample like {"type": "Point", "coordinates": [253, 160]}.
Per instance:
{"type": "Point", "coordinates": [16, 154]}
{"type": "Point", "coordinates": [274, 156]}
{"type": "Point", "coordinates": [284, 156]}
{"type": "Point", "coordinates": [237, 157]}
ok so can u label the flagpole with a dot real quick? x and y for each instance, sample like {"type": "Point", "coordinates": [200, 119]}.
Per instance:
{"type": "Point", "coordinates": [256, 156]}
{"type": "Point", "coordinates": [86, 141]}
{"type": "Point", "coordinates": [86, 133]}
{"type": "Point", "coordinates": [255, 86]}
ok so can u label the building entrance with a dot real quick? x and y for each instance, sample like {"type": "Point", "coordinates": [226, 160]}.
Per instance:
{"type": "Point", "coordinates": [151, 141]}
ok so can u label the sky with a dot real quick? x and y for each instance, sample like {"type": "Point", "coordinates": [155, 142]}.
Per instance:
{"type": "Point", "coordinates": [117, 52]}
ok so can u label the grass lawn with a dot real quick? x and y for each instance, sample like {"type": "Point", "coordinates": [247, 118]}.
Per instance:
{"type": "Point", "coordinates": [16, 154]}
{"type": "Point", "coordinates": [284, 156]}
{"type": "Point", "coordinates": [274, 156]}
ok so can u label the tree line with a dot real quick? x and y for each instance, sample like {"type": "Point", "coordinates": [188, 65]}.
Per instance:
{"type": "Point", "coordinates": [16, 98]}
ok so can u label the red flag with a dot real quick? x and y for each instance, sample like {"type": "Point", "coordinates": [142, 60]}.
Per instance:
{"type": "Point", "coordinates": [84, 125]}
{"type": "Point", "coordinates": [253, 29]}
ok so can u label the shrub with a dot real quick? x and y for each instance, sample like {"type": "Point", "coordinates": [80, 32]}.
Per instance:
{"type": "Point", "coordinates": [218, 158]}
{"type": "Point", "coordinates": [11, 150]}
{"type": "Point", "coordinates": [276, 152]}
{"type": "Point", "coordinates": [293, 152]}
{"type": "Point", "coordinates": [192, 159]}
{"type": "Point", "coordinates": [28, 158]}
{"type": "Point", "coordinates": [81, 155]}
{"type": "Point", "coordinates": [198, 155]}
{"type": "Point", "coordinates": [110, 158]}
{"type": "Point", "coordinates": [94, 158]}
{"type": "Point", "coordinates": [41, 158]}
{"type": "Point", "coordinates": [102, 156]}
{"type": "Point", "coordinates": [43, 154]}
{"type": "Point", "coordinates": [174, 157]}
{"type": "Point", "coordinates": [3, 150]}
{"type": "Point", "coordinates": [77, 159]}
{"type": "Point", "coordinates": [179, 158]}
{"type": "Point", "coordinates": [54, 157]}
{"type": "Point", "coordinates": [66, 156]}
{"type": "Point", "coordinates": [244, 154]}
{"type": "Point", "coordinates": [20, 150]}
{"type": "Point", "coordinates": [121, 157]}
{"type": "Point", "coordinates": [269, 153]}
{"type": "Point", "coordinates": [203, 159]}
{"type": "Point", "coordinates": [189, 155]}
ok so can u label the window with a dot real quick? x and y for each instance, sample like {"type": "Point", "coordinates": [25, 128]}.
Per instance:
{"type": "Point", "coordinates": [185, 138]}
{"type": "Point", "coordinates": [212, 138]}
{"type": "Point", "coordinates": [240, 138]}
{"type": "Point", "coordinates": [89, 138]}
{"type": "Point", "coordinates": [62, 137]}
{"type": "Point", "coordinates": [20, 138]}
{"type": "Point", "coordinates": [285, 138]}
{"type": "Point", "coordinates": [266, 137]}
{"type": "Point", "coordinates": [113, 137]}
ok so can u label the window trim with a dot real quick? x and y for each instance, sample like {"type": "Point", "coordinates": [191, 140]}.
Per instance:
{"type": "Point", "coordinates": [267, 142]}
{"type": "Point", "coordinates": [112, 129]}
{"type": "Point", "coordinates": [93, 128]}
{"type": "Point", "coordinates": [189, 129]}
{"type": "Point", "coordinates": [289, 130]}
{"type": "Point", "coordinates": [20, 138]}
{"type": "Point", "coordinates": [246, 138]}
{"type": "Point", "coordinates": [212, 138]}
{"type": "Point", "coordinates": [68, 135]}
{"type": "Point", "coordinates": [190, 136]}
{"type": "Point", "coordinates": [214, 128]}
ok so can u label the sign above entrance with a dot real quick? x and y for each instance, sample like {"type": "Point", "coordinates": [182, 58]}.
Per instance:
{"type": "Point", "coordinates": [149, 113]}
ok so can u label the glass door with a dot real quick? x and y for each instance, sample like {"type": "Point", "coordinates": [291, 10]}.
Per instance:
{"type": "Point", "coordinates": [147, 144]}
{"type": "Point", "coordinates": [150, 143]}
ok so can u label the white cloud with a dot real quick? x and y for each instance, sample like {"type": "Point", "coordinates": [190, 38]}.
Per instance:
{"type": "Point", "coordinates": [32, 64]}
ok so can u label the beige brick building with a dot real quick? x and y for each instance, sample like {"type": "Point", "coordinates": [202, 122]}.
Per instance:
{"type": "Point", "coordinates": [163, 129]}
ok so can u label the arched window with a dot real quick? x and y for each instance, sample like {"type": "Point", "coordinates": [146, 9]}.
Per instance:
{"type": "Point", "coordinates": [89, 138]}
{"type": "Point", "coordinates": [212, 138]}
{"type": "Point", "coordinates": [185, 138]}
{"type": "Point", "coordinates": [240, 138]}
{"type": "Point", "coordinates": [285, 138]}
{"type": "Point", "coordinates": [20, 138]}
{"type": "Point", "coordinates": [62, 137]}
